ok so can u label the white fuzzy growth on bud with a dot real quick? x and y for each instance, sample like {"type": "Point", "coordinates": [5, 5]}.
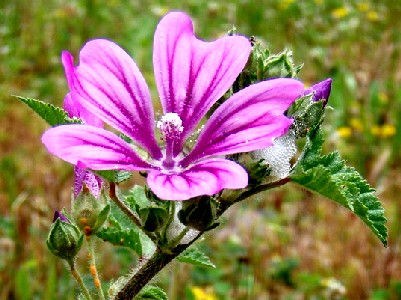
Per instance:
{"type": "Point", "coordinates": [170, 126]}
{"type": "Point", "coordinates": [279, 155]}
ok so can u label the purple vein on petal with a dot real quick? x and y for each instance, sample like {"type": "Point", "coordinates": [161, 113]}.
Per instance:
{"type": "Point", "coordinates": [249, 120]}
{"type": "Point", "coordinates": [191, 74]}
{"type": "Point", "coordinates": [112, 87]}
{"type": "Point", "coordinates": [95, 147]}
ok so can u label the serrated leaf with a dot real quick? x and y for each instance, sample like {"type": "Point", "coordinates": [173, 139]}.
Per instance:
{"type": "Point", "coordinates": [195, 257]}
{"type": "Point", "coordinates": [329, 176]}
{"type": "Point", "coordinates": [117, 219]}
{"type": "Point", "coordinates": [53, 115]}
{"type": "Point", "coordinates": [122, 237]}
{"type": "Point", "coordinates": [151, 292]}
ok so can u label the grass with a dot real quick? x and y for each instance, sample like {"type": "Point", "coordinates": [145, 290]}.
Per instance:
{"type": "Point", "coordinates": [287, 244]}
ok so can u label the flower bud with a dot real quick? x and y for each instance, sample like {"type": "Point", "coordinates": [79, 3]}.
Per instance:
{"type": "Point", "coordinates": [65, 239]}
{"type": "Point", "coordinates": [88, 212]}
{"type": "Point", "coordinates": [320, 91]}
{"type": "Point", "coordinates": [198, 213]}
{"type": "Point", "coordinates": [153, 218]}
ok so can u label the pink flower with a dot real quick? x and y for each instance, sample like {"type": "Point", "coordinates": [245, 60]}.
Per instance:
{"type": "Point", "coordinates": [191, 75]}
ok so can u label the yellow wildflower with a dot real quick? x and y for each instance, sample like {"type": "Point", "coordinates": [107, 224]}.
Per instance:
{"type": "Point", "coordinates": [356, 124]}
{"type": "Point", "coordinates": [340, 12]}
{"type": "Point", "coordinates": [387, 130]}
{"type": "Point", "coordinates": [372, 15]}
{"type": "Point", "coordinates": [344, 132]}
{"type": "Point", "coordinates": [363, 6]}
{"type": "Point", "coordinates": [202, 294]}
{"type": "Point", "coordinates": [284, 4]}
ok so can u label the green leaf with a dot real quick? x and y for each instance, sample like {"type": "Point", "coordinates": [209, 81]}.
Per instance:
{"type": "Point", "coordinates": [195, 257]}
{"type": "Point", "coordinates": [329, 176]}
{"type": "Point", "coordinates": [151, 292]}
{"type": "Point", "coordinates": [53, 115]}
{"type": "Point", "coordinates": [121, 231]}
{"type": "Point", "coordinates": [114, 175]}
{"type": "Point", "coordinates": [128, 237]}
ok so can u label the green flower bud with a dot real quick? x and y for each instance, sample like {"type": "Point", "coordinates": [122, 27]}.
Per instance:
{"type": "Point", "coordinates": [198, 213]}
{"type": "Point", "coordinates": [153, 218]}
{"type": "Point", "coordinates": [64, 240]}
{"type": "Point", "coordinates": [88, 212]}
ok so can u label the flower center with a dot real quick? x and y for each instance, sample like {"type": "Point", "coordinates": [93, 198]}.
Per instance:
{"type": "Point", "coordinates": [171, 128]}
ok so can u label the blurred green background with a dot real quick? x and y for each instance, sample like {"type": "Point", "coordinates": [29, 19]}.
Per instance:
{"type": "Point", "coordinates": [286, 244]}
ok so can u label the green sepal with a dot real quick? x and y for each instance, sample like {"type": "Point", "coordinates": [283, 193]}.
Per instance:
{"type": "Point", "coordinates": [329, 176]}
{"type": "Point", "coordinates": [64, 240]}
{"type": "Point", "coordinates": [102, 217]}
{"type": "Point", "coordinates": [306, 114]}
{"type": "Point", "coordinates": [198, 213]}
{"type": "Point", "coordinates": [195, 257]}
{"type": "Point", "coordinates": [257, 172]}
{"type": "Point", "coordinates": [279, 66]}
{"type": "Point", "coordinates": [53, 115]}
{"type": "Point", "coordinates": [153, 218]}
{"type": "Point", "coordinates": [151, 292]}
{"type": "Point", "coordinates": [88, 212]}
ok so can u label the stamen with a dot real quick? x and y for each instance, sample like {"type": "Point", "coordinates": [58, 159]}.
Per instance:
{"type": "Point", "coordinates": [171, 129]}
{"type": "Point", "coordinates": [170, 126]}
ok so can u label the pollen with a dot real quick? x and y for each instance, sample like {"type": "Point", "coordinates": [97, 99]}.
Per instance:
{"type": "Point", "coordinates": [170, 126]}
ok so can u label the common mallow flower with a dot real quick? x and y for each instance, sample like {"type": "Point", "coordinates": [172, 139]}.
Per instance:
{"type": "Point", "coordinates": [191, 75]}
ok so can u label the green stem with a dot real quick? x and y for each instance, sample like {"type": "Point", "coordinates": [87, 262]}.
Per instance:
{"type": "Point", "coordinates": [129, 213]}
{"type": "Point", "coordinates": [170, 219]}
{"type": "Point", "coordinates": [224, 205]}
{"type": "Point", "coordinates": [153, 266]}
{"type": "Point", "coordinates": [78, 278]}
{"type": "Point", "coordinates": [92, 267]}
{"type": "Point", "coordinates": [178, 238]}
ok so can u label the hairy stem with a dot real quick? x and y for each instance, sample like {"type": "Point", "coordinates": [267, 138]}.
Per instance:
{"type": "Point", "coordinates": [153, 266]}
{"type": "Point", "coordinates": [78, 278]}
{"type": "Point", "coordinates": [161, 258]}
{"type": "Point", "coordinates": [92, 267]}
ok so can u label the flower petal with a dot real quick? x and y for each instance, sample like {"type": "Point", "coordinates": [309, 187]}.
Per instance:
{"type": "Point", "coordinates": [111, 86]}
{"type": "Point", "coordinates": [249, 120]}
{"type": "Point", "coordinates": [74, 109]}
{"type": "Point", "coordinates": [207, 177]}
{"type": "Point", "coordinates": [191, 75]}
{"type": "Point", "coordinates": [95, 147]}
{"type": "Point", "coordinates": [320, 90]}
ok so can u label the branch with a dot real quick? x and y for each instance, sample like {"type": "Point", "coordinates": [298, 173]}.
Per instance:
{"type": "Point", "coordinates": [153, 266]}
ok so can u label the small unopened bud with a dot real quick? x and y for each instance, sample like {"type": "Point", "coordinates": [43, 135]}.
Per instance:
{"type": "Point", "coordinates": [65, 239]}
{"type": "Point", "coordinates": [320, 91]}
{"type": "Point", "coordinates": [88, 212]}
{"type": "Point", "coordinates": [199, 213]}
